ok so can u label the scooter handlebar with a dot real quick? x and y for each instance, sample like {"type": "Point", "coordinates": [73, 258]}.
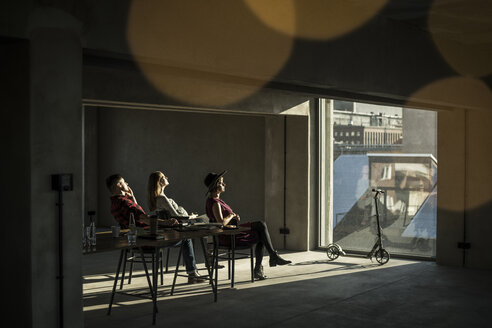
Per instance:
{"type": "Point", "coordinates": [378, 190]}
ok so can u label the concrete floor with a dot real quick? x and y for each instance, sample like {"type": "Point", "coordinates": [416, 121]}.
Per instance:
{"type": "Point", "coordinates": [311, 292]}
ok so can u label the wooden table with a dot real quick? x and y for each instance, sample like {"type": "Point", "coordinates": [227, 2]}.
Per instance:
{"type": "Point", "coordinates": [168, 237]}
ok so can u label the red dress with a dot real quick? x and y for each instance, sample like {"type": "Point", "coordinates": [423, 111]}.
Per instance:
{"type": "Point", "coordinates": [246, 238]}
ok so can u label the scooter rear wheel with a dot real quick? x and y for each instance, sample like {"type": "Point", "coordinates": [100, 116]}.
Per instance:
{"type": "Point", "coordinates": [332, 252]}
{"type": "Point", "coordinates": [382, 256]}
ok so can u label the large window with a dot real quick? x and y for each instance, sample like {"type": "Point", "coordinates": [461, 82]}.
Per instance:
{"type": "Point", "coordinates": [398, 155]}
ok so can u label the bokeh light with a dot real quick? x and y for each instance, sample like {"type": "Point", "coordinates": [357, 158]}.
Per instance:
{"type": "Point", "coordinates": [461, 31]}
{"type": "Point", "coordinates": [472, 94]}
{"type": "Point", "coordinates": [459, 92]}
{"type": "Point", "coordinates": [315, 19]}
{"type": "Point", "coordinates": [207, 53]}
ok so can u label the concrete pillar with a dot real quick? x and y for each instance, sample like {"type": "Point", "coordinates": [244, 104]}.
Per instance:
{"type": "Point", "coordinates": [316, 142]}
{"type": "Point", "coordinates": [291, 131]}
{"type": "Point", "coordinates": [297, 182]}
{"type": "Point", "coordinates": [56, 147]}
{"type": "Point", "coordinates": [451, 193]}
{"type": "Point", "coordinates": [274, 178]}
{"type": "Point", "coordinates": [464, 197]}
{"type": "Point", "coordinates": [15, 176]}
{"type": "Point", "coordinates": [325, 172]}
{"type": "Point", "coordinates": [478, 197]}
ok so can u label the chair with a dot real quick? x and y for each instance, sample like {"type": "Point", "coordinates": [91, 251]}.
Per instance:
{"type": "Point", "coordinates": [208, 265]}
{"type": "Point", "coordinates": [148, 254]}
{"type": "Point", "coordinates": [167, 259]}
{"type": "Point", "coordinates": [230, 252]}
{"type": "Point", "coordinates": [144, 259]}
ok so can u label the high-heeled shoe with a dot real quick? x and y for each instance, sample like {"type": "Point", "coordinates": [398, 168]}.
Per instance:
{"type": "Point", "coordinates": [277, 260]}
{"type": "Point", "coordinates": [259, 274]}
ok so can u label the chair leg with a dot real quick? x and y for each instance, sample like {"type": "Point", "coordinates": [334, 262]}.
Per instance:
{"type": "Point", "coordinates": [147, 271]}
{"type": "Point", "coordinates": [233, 260]}
{"type": "Point", "coordinates": [207, 260]}
{"type": "Point", "coordinates": [124, 267]}
{"type": "Point", "coordinates": [177, 269]}
{"type": "Point", "coordinates": [123, 253]}
{"type": "Point", "coordinates": [252, 267]}
{"type": "Point", "coordinates": [167, 260]}
{"type": "Point", "coordinates": [228, 264]}
{"type": "Point", "coordinates": [161, 255]}
{"type": "Point", "coordinates": [131, 267]}
{"type": "Point", "coordinates": [210, 254]}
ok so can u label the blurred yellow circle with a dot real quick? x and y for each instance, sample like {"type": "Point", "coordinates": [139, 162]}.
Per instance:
{"type": "Point", "coordinates": [475, 96]}
{"type": "Point", "coordinates": [458, 92]}
{"type": "Point", "coordinates": [315, 19]}
{"type": "Point", "coordinates": [462, 32]}
{"type": "Point", "coordinates": [208, 53]}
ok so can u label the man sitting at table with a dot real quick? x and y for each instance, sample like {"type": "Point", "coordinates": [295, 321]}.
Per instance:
{"type": "Point", "coordinates": [123, 203]}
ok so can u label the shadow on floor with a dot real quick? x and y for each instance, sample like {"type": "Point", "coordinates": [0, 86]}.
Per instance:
{"type": "Point", "coordinates": [314, 293]}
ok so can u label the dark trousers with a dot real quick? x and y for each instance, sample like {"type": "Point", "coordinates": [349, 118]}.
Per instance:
{"type": "Point", "coordinates": [261, 229]}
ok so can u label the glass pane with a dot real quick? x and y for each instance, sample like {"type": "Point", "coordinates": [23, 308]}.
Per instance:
{"type": "Point", "coordinates": [396, 160]}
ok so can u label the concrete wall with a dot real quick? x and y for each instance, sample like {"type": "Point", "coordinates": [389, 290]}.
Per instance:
{"type": "Point", "coordinates": [287, 174]}
{"type": "Point", "coordinates": [41, 83]}
{"type": "Point", "coordinates": [274, 178]}
{"type": "Point", "coordinates": [297, 205]}
{"type": "Point", "coordinates": [451, 186]}
{"type": "Point", "coordinates": [117, 79]}
{"type": "Point", "coordinates": [55, 147]}
{"type": "Point", "coordinates": [387, 48]}
{"type": "Point", "coordinates": [16, 175]}
{"type": "Point", "coordinates": [478, 194]}
{"type": "Point", "coordinates": [464, 196]}
{"type": "Point", "coordinates": [185, 146]}
{"type": "Point", "coordinates": [91, 167]}
{"type": "Point", "coordinates": [478, 191]}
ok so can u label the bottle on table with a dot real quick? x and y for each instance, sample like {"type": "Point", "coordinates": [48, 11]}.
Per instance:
{"type": "Point", "coordinates": [93, 234]}
{"type": "Point", "coordinates": [84, 239]}
{"type": "Point", "coordinates": [132, 232]}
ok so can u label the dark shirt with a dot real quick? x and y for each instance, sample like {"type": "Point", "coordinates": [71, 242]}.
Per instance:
{"type": "Point", "coordinates": [122, 206]}
{"type": "Point", "coordinates": [225, 209]}
{"type": "Point", "coordinates": [247, 238]}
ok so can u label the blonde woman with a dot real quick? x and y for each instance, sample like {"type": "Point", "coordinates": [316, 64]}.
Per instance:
{"type": "Point", "coordinates": [159, 202]}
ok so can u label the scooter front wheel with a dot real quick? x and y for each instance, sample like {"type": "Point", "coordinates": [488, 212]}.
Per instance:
{"type": "Point", "coordinates": [332, 252]}
{"type": "Point", "coordinates": [382, 256]}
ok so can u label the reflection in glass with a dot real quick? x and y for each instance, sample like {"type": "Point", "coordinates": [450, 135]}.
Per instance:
{"type": "Point", "coordinates": [407, 209]}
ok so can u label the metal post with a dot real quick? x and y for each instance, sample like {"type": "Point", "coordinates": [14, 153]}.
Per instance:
{"type": "Point", "coordinates": [60, 256]}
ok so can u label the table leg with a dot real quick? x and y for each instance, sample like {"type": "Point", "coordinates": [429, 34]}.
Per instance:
{"type": "Point", "coordinates": [123, 252]}
{"type": "Point", "coordinates": [177, 267]}
{"type": "Point", "coordinates": [124, 269]}
{"type": "Point", "coordinates": [216, 266]}
{"type": "Point", "coordinates": [233, 250]}
{"type": "Point", "coordinates": [210, 270]}
{"type": "Point", "coordinates": [147, 272]}
{"type": "Point", "coordinates": [152, 286]}
{"type": "Point", "coordinates": [155, 272]}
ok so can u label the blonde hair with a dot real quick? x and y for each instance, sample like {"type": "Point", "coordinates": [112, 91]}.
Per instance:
{"type": "Point", "coordinates": [154, 188]}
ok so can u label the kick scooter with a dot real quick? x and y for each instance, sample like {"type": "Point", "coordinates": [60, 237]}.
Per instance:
{"type": "Point", "coordinates": [382, 256]}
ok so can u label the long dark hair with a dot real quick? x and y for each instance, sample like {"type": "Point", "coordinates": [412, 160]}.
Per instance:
{"type": "Point", "coordinates": [154, 188]}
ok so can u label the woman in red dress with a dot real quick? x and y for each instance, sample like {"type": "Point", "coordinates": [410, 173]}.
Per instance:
{"type": "Point", "coordinates": [218, 211]}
